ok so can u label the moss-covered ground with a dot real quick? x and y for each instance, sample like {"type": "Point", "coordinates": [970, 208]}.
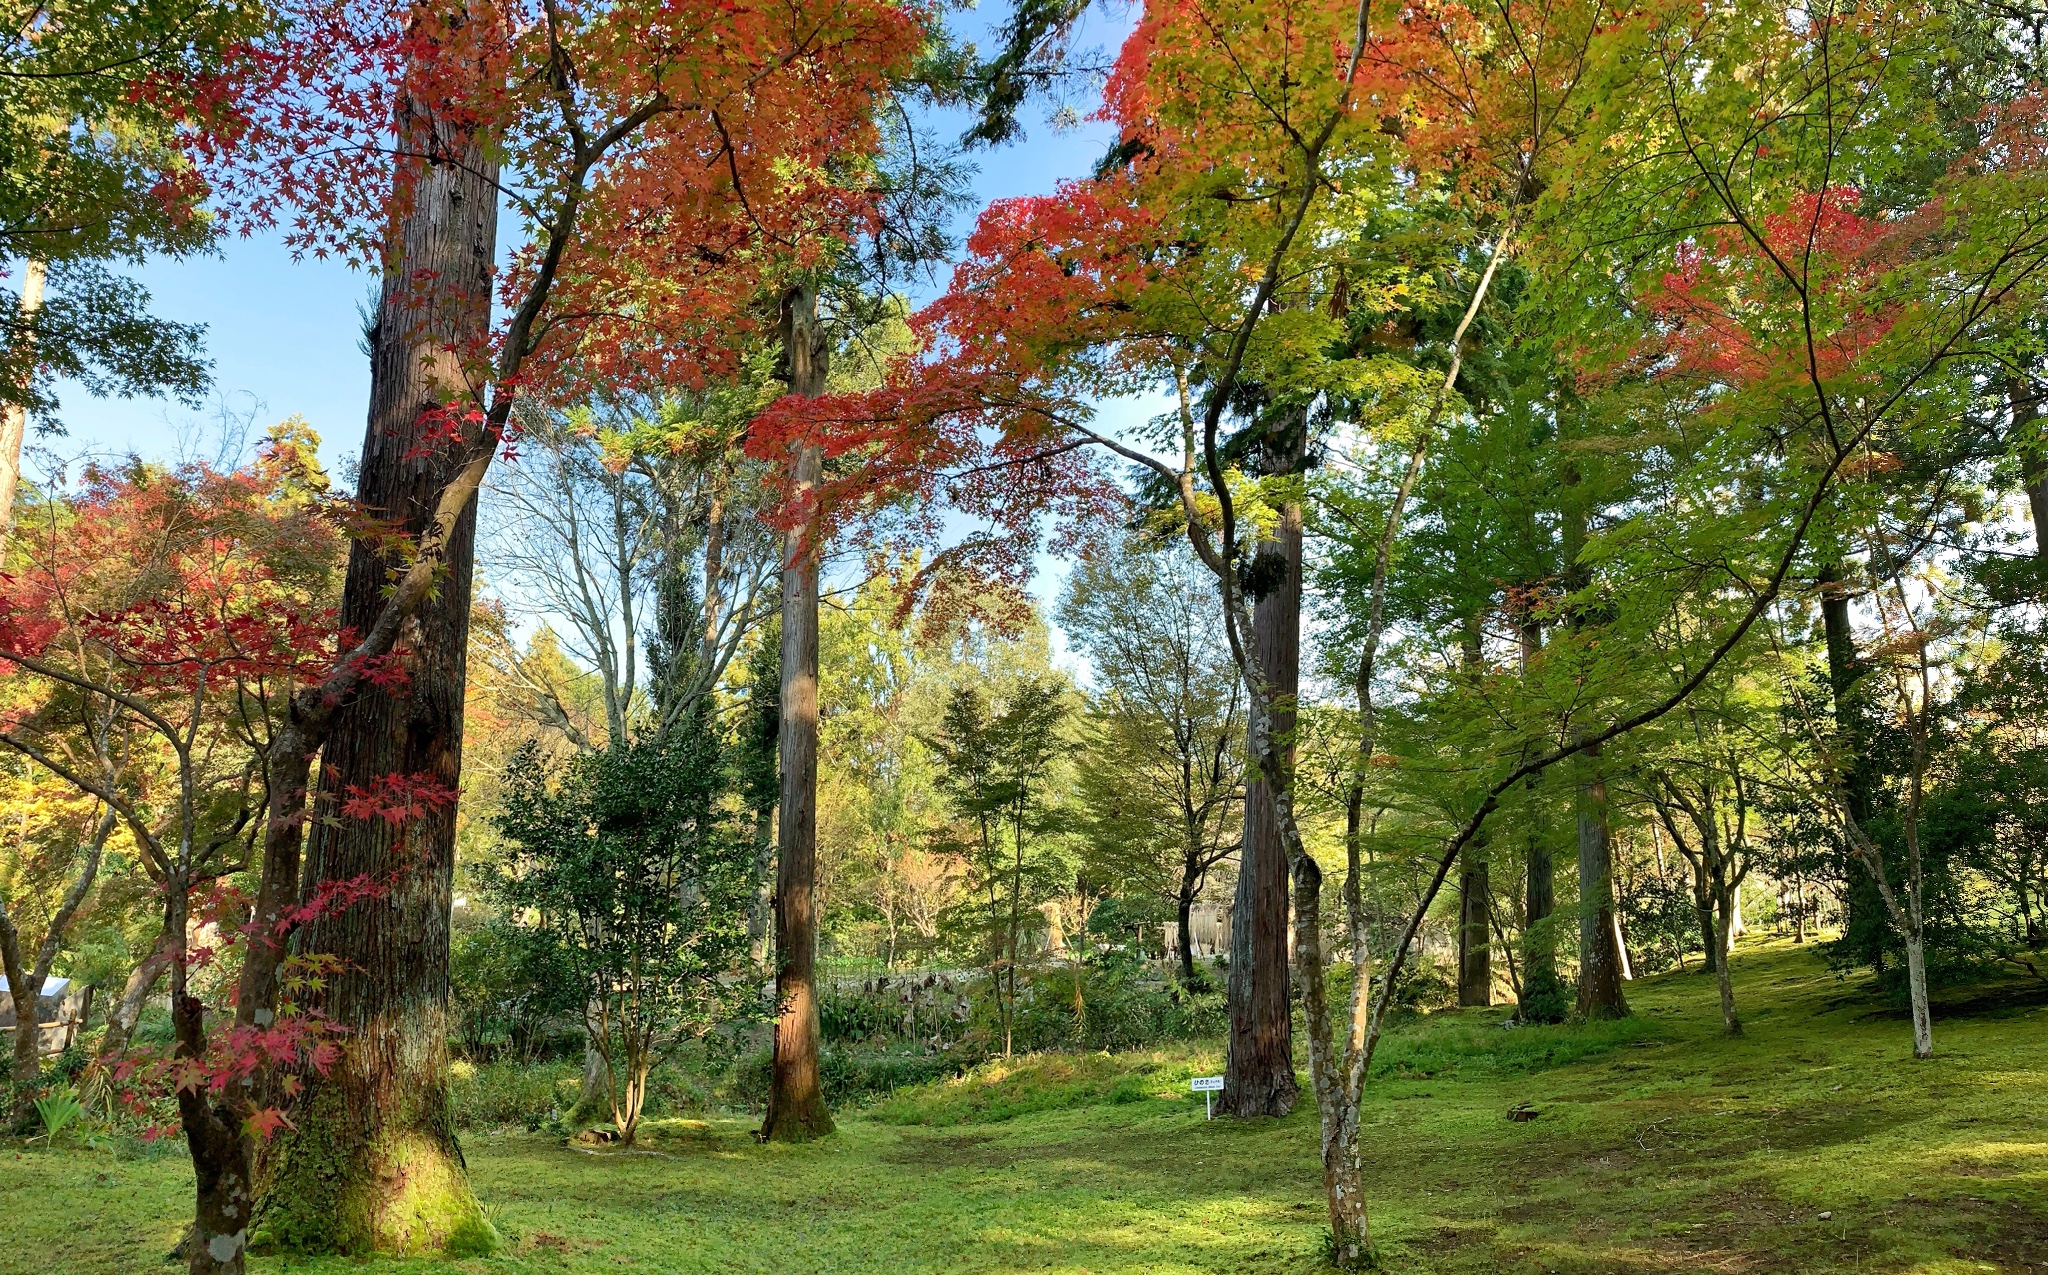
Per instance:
{"type": "Point", "coordinates": [1814, 1143]}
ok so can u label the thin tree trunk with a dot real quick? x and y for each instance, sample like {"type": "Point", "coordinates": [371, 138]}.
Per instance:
{"type": "Point", "coordinates": [1724, 942]}
{"type": "Point", "coordinates": [127, 1011]}
{"type": "Point", "coordinates": [1342, 1155]}
{"type": "Point", "coordinates": [14, 415]}
{"type": "Point", "coordinates": [1258, 1077]}
{"type": "Point", "coordinates": [373, 1164]}
{"type": "Point", "coordinates": [796, 1095]}
{"type": "Point", "coordinates": [1016, 902]}
{"type": "Point", "coordinates": [1184, 917]}
{"type": "Point", "coordinates": [1475, 891]}
{"type": "Point", "coordinates": [1703, 909]}
{"type": "Point", "coordinates": [1916, 989]}
{"type": "Point", "coordinates": [1599, 952]}
{"type": "Point", "coordinates": [763, 910]}
{"type": "Point", "coordinates": [224, 1195]}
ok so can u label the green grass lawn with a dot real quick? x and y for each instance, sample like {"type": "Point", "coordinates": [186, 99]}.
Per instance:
{"type": "Point", "coordinates": [1812, 1144]}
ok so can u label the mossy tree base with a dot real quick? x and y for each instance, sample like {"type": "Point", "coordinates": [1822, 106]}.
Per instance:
{"type": "Point", "coordinates": [798, 1123]}
{"type": "Point", "coordinates": [341, 1187]}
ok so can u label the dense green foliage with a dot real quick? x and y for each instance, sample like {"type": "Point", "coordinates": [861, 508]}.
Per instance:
{"type": "Point", "coordinates": [631, 869]}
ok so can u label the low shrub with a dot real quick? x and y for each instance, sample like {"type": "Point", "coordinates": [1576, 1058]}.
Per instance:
{"type": "Point", "coordinates": [510, 1093]}
{"type": "Point", "coordinates": [1097, 1007]}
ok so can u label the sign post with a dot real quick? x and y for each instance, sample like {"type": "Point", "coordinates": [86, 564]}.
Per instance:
{"type": "Point", "coordinates": [1208, 1087]}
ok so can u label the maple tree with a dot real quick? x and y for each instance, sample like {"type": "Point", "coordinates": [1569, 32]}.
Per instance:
{"type": "Point", "coordinates": [659, 159]}
{"type": "Point", "coordinates": [1232, 236]}
{"type": "Point", "coordinates": [166, 617]}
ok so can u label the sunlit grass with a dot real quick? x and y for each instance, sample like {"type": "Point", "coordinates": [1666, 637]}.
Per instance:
{"type": "Point", "coordinates": [1659, 1145]}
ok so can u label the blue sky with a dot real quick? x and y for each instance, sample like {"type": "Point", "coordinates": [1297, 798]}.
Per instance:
{"type": "Point", "coordinates": [283, 334]}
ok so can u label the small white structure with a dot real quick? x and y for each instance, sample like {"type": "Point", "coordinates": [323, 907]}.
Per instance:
{"type": "Point", "coordinates": [60, 1013]}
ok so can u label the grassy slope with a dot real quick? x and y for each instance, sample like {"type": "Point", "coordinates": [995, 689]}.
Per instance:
{"type": "Point", "coordinates": [1660, 1146]}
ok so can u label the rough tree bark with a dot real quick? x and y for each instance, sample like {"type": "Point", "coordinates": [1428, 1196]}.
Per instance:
{"type": "Point", "coordinates": [1539, 899]}
{"type": "Point", "coordinates": [373, 1163]}
{"type": "Point", "coordinates": [1599, 953]}
{"type": "Point", "coordinates": [1475, 927]}
{"type": "Point", "coordinates": [1600, 970]}
{"type": "Point", "coordinates": [224, 1194]}
{"type": "Point", "coordinates": [1258, 1078]}
{"type": "Point", "coordinates": [1475, 890]}
{"type": "Point", "coordinates": [796, 1095]}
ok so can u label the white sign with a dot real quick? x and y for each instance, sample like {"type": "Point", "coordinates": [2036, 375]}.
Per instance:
{"type": "Point", "coordinates": [1208, 1087]}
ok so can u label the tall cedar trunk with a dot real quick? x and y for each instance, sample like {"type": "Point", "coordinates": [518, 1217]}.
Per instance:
{"type": "Point", "coordinates": [1599, 950]}
{"type": "Point", "coordinates": [1475, 930]}
{"type": "Point", "coordinates": [796, 1096]}
{"type": "Point", "coordinates": [373, 1163]}
{"type": "Point", "coordinates": [1258, 1079]}
{"type": "Point", "coordinates": [14, 416]}
{"type": "Point", "coordinates": [1475, 897]}
{"type": "Point", "coordinates": [1861, 902]}
{"type": "Point", "coordinates": [2034, 472]}
{"type": "Point", "coordinates": [2026, 411]}
{"type": "Point", "coordinates": [1539, 898]}
{"type": "Point", "coordinates": [1013, 956]}
{"type": "Point", "coordinates": [1599, 991]}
